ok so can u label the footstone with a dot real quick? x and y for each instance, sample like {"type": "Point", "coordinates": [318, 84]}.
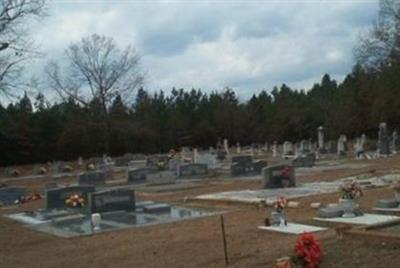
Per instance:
{"type": "Point", "coordinates": [330, 212]}
{"type": "Point", "coordinates": [387, 203]}
{"type": "Point", "coordinates": [156, 208]}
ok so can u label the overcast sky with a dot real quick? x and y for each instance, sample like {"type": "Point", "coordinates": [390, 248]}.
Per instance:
{"type": "Point", "coordinates": [246, 45]}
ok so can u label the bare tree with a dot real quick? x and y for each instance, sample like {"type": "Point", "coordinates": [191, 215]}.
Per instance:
{"type": "Point", "coordinates": [381, 44]}
{"type": "Point", "coordinates": [99, 70]}
{"type": "Point", "coordinates": [16, 47]}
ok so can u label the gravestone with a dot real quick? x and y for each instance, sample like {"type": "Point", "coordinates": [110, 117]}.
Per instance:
{"type": "Point", "coordinates": [241, 165]}
{"type": "Point", "coordinates": [187, 170]}
{"type": "Point", "coordinates": [80, 162]}
{"type": "Point", "coordinates": [304, 147]}
{"type": "Point", "coordinates": [161, 177]}
{"type": "Point", "coordinates": [226, 146]}
{"type": "Point", "coordinates": [279, 176]}
{"type": "Point", "coordinates": [158, 162]}
{"type": "Point", "coordinates": [238, 148]}
{"type": "Point", "coordinates": [92, 178]}
{"type": "Point", "coordinates": [383, 140]}
{"type": "Point", "coordinates": [359, 146]}
{"type": "Point", "coordinates": [139, 175]}
{"type": "Point", "coordinates": [258, 166]}
{"type": "Point", "coordinates": [395, 142]}
{"type": "Point", "coordinates": [8, 195]}
{"type": "Point", "coordinates": [121, 162]}
{"type": "Point", "coordinates": [288, 149]}
{"type": "Point", "coordinates": [112, 200]}
{"type": "Point", "coordinates": [173, 164]}
{"type": "Point", "coordinates": [331, 147]}
{"type": "Point", "coordinates": [387, 203]}
{"type": "Point", "coordinates": [221, 155]}
{"type": "Point", "coordinates": [208, 159]}
{"type": "Point", "coordinates": [275, 149]}
{"type": "Point", "coordinates": [55, 198]}
{"type": "Point", "coordinates": [304, 160]}
{"type": "Point", "coordinates": [56, 167]}
{"type": "Point", "coordinates": [341, 145]}
{"type": "Point", "coordinates": [186, 154]}
{"type": "Point", "coordinates": [321, 142]}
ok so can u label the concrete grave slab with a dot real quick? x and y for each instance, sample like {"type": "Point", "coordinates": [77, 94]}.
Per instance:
{"type": "Point", "coordinates": [366, 219]}
{"type": "Point", "coordinates": [293, 228]}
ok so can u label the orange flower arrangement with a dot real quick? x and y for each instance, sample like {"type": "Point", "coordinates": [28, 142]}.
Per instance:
{"type": "Point", "coordinates": [75, 200]}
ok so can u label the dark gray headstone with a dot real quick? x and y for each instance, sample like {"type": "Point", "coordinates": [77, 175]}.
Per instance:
{"type": "Point", "coordinates": [173, 164]}
{"type": "Point", "coordinates": [112, 200]}
{"type": "Point", "coordinates": [161, 177]}
{"type": "Point", "coordinates": [241, 165]}
{"type": "Point", "coordinates": [383, 140]}
{"type": "Point", "coordinates": [8, 195]}
{"type": "Point", "coordinates": [221, 155]}
{"type": "Point", "coordinates": [387, 203]}
{"type": "Point", "coordinates": [139, 175]}
{"type": "Point", "coordinates": [258, 166]}
{"type": "Point", "coordinates": [188, 170]}
{"type": "Point", "coordinates": [121, 162]}
{"type": "Point", "coordinates": [279, 176]}
{"type": "Point", "coordinates": [304, 160]}
{"type": "Point", "coordinates": [92, 178]}
{"type": "Point", "coordinates": [55, 198]}
{"type": "Point", "coordinates": [330, 212]}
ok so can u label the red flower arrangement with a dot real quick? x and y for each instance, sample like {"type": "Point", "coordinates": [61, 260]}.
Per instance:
{"type": "Point", "coordinates": [280, 203]}
{"type": "Point", "coordinates": [308, 251]}
{"type": "Point", "coordinates": [285, 172]}
{"type": "Point", "coordinates": [75, 200]}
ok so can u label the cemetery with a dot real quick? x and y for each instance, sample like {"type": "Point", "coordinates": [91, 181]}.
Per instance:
{"type": "Point", "coordinates": [199, 134]}
{"type": "Point", "coordinates": [261, 194]}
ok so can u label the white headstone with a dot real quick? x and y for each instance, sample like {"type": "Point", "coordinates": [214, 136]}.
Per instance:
{"type": "Point", "coordinates": [226, 146]}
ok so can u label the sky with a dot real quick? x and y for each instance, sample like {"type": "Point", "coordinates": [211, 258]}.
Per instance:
{"type": "Point", "coordinates": [245, 45]}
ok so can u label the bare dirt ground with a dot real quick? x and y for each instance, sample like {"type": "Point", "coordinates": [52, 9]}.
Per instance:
{"type": "Point", "coordinates": [198, 242]}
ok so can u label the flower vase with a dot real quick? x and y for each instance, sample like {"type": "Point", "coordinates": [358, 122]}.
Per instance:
{"type": "Point", "coordinates": [348, 206]}
{"type": "Point", "coordinates": [276, 218]}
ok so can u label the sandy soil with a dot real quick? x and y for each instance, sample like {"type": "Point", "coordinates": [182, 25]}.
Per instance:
{"type": "Point", "coordinates": [198, 243]}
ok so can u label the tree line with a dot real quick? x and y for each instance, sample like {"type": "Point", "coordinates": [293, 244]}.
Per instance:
{"type": "Point", "coordinates": [35, 130]}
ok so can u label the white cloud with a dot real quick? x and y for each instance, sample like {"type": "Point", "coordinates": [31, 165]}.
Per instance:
{"type": "Point", "coordinates": [210, 45]}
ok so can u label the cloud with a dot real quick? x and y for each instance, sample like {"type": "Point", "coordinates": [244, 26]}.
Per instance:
{"type": "Point", "coordinates": [210, 45]}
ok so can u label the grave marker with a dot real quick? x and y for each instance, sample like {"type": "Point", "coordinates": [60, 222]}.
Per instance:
{"type": "Point", "coordinates": [55, 198]}
{"type": "Point", "coordinates": [112, 200]}
{"type": "Point", "coordinates": [279, 176]}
